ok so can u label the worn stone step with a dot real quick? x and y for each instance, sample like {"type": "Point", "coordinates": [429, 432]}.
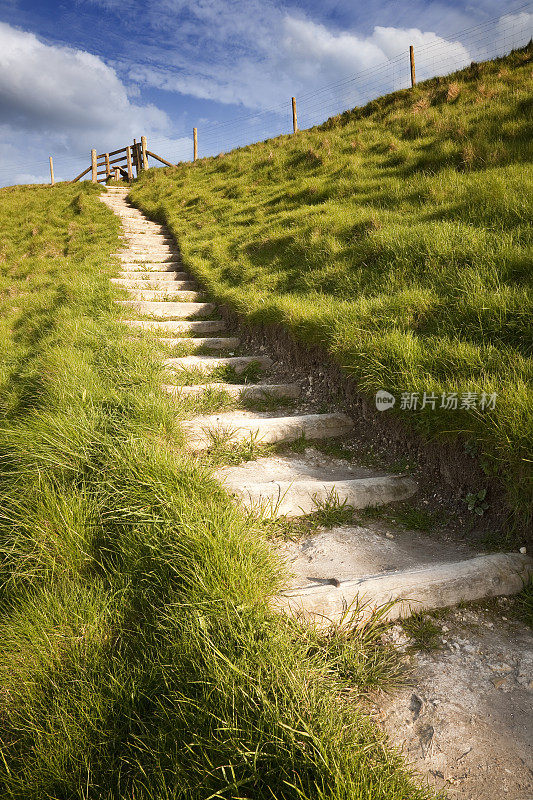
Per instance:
{"type": "Point", "coordinates": [146, 251]}
{"type": "Point", "coordinates": [147, 276]}
{"type": "Point", "coordinates": [239, 391]}
{"type": "Point", "coordinates": [144, 229]}
{"type": "Point", "coordinates": [147, 234]}
{"type": "Point", "coordinates": [169, 309]}
{"type": "Point", "coordinates": [149, 245]}
{"type": "Point", "coordinates": [210, 363]}
{"type": "Point", "coordinates": [148, 242]}
{"type": "Point", "coordinates": [159, 267]}
{"type": "Point", "coordinates": [408, 591]}
{"type": "Point", "coordinates": [207, 342]}
{"type": "Point", "coordinates": [165, 284]}
{"type": "Point", "coordinates": [299, 497]}
{"type": "Point", "coordinates": [239, 426]}
{"type": "Point", "coordinates": [178, 326]}
{"type": "Point", "coordinates": [169, 294]}
{"type": "Point", "coordinates": [148, 258]}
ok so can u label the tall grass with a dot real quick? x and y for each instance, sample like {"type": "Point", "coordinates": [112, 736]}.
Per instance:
{"type": "Point", "coordinates": [138, 657]}
{"type": "Point", "coordinates": [398, 236]}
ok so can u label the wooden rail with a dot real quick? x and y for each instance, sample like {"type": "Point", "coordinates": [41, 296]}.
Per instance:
{"type": "Point", "coordinates": [132, 156]}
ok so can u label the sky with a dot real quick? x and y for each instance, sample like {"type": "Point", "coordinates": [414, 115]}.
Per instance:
{"type": "Point", "coordinates": [96, 73]}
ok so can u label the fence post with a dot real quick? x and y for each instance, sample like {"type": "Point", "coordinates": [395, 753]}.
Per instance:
{"type": "Point", "coordinates": [51, 172]}
{"type": "Point", "coordinates": [143, 147]}
{"type": "Point", "coordinates": [195, 145]}
{"type": "Point", "coordinates": [128, 158]}
{"type": "Point", "coordinates": [94, 168]}
{"type": "Point", "coordinates": [117, 174]}
{"type": "Point", "coordinates": [107, 167]}
{"type": "Point", "coordinates": [412, 60]}
{"type": "Point", "coordinates": [294, 117]}
{"type": "Point", "coordinates": [134, 157]}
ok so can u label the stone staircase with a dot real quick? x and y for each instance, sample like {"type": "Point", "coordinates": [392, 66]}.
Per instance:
{"type": "Point", "coordinates": [331, 569]}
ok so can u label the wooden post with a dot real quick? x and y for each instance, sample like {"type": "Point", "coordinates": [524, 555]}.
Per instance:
{"type": "Point", "coordinates": [94, 167]}
{"type": "Point", "coordinates": [195, 145]}
{"type": "Point", "coordinates": [128, 158]}
{"type": "Point", "coordinates": [294, 117]}
{"type": "Point", "coordinates": [135, 157]}
{"type": "Point", "coordinates": [107, 167]}
{"type": "Point", "coordinates": [117, 174]}
{"type": "Point", "coordinates": [144, 156]}
{"type": "Point", "coordinates": [51, 172]}
{"type": "Point", "coordinates": [412, 60]}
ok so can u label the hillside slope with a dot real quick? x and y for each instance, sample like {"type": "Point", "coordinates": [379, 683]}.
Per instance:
{"type": "Point", "coordinates": [140, 658]}
{"type": "Point", "coordinates": [397, 236]}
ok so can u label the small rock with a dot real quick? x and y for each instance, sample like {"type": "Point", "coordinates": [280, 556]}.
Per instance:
{"type": "Point", "coordinates": [389, 535]}
{"type": "Point", "coordinates": [498, 682]}
{"type": "Point", "coordinates": [415, 705]}
{"type": "Point", "coordinates": [523, 550]}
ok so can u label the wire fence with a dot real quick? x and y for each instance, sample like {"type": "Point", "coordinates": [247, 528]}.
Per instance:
{"type": "Point", "coordinates": [491, 39]}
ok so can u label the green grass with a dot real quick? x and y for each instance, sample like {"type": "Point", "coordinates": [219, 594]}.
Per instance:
{"type": "Point", "coordinates": [398, 237]}
{"type": "Point", "coordinates": [407, 515]}
{"type": "Point", "coordinates": [523, 604]}
{"type": "Point", "coordinates": [139, 656]}
{"type": "Point", "coordinates": [424, 632]}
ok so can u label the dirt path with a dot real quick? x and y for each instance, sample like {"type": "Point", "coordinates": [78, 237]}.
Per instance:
{"type": "Point", "coordinates": [466, 720]}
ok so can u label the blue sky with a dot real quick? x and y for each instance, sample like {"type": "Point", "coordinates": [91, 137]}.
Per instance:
{"type": "Point", "coordinates": [96, 73]}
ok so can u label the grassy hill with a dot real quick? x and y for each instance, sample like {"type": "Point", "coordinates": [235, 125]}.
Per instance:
{"type": "Point", "coordinates": [397, 236]}
{"type": "Point", "coordinates": [139, 657]}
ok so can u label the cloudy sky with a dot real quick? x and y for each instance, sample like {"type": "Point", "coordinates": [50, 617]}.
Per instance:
{"type": "Point", "coordinates": [96, 73]}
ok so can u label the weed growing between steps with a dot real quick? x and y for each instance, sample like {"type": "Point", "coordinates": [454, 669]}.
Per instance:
{"type": "Point", "coordinates": [397, 236]}
{"type": "Point", "coordinates": [139, 657]}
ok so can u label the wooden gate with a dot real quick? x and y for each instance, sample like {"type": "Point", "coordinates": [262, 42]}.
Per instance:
{"type": "Point", "coordinates": [120, 163]}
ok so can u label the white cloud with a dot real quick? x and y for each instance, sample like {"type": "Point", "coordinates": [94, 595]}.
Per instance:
{"type": "Point", "coordinates": [63, 101]}
{"type": "Point", "coordinates": [299, 57]}
{"type": "Point", "coordinates": [514, 30]}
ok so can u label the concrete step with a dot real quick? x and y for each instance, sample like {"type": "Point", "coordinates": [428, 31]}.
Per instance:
{"type": "Point", "coordinates": [437, 585]}
{"type": "Point", "coordinates": [209, 363]}
{"type": "Point", "coordinates": [296, 498]}
{"type": "Point", "coordinates": [166, 284]}
{"type": "Point", "coordinates": [239, 426]}
{"type": "Point", "coordinates": [150, 240]}
{"type": "Point", "coordinates": [146, 251]}
{"type": "Point", "coordinates": [146, 276]}
{"type": "Point", "coordinates": [168, 294]}
{"type": "Point", "coordinates": [240, 391]}
{"type": "Point", "coordinates": [136, 229]}
{"type": "Point", "coordinates": [178, 326]}
{"type": "Point", "coordinates": [170, 309]}
{"type": "Point", "coordinates": [147, 234]}
{"type": "Point", "coordinates": [208, 343]}
{"type": "Point", "coordinates": [147, 258]}
{"type": "Point", "coordinates": [159, 267]}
